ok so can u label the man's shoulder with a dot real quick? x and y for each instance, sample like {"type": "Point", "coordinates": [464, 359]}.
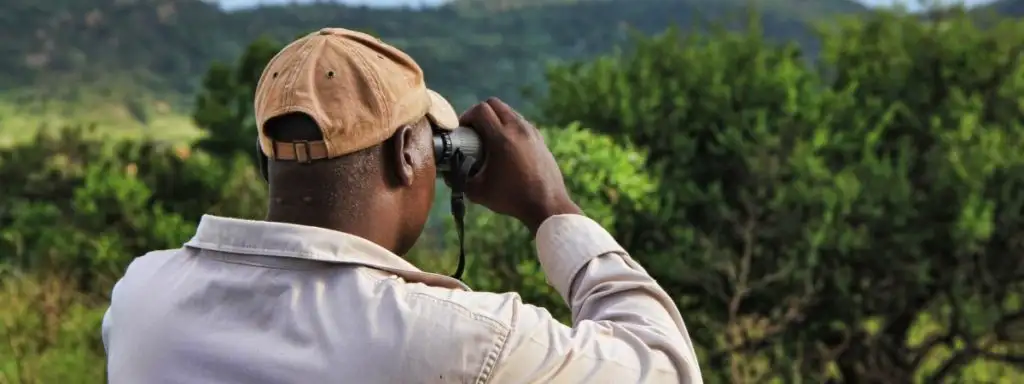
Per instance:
{"type": "Point", "coordinates": [153, 260]}
{"type": "Point", "coordinates": [143, 269]}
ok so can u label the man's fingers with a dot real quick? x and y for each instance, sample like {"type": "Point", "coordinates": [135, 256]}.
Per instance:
{"type": "Point", "coordinates": [504, 113]}
{"type": "Point", "coordinates": [481, 118]}
{"type": "Point", "coordinates": [476, 186]}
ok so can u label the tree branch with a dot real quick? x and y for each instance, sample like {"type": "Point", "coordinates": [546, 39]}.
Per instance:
{"type": "Point", "coordinates": [974, 350]}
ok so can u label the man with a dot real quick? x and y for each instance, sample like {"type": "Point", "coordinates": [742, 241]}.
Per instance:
{"type": "Point", "coordinates": [318, 293]}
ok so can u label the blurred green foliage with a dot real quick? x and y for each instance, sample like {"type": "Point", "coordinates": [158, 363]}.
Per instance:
{"type": "Point", "coordinates": [72, 63]}
{"type": "Point", "coordinates": [224, 107]}
{"type": "Point", "coordinates": [854, 217]}
{"type": "Point", "coordinates": [133, 66]}
{"type": "Point", "coordinates": [816, 218]}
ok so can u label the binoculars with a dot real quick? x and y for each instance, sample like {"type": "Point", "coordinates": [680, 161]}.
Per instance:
{"type": "Point", "coordinates": [452, 147]}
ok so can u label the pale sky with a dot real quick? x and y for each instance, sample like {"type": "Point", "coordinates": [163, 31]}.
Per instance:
{"type": "Point", "coordinates": [391, 3]}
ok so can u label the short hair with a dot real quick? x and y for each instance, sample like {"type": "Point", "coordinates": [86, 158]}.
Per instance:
{"type": "Point", "coordinates": [298, 126]}
{"type": "Point", "coordinates": [329, 181]}
{"type": "Point", "coordinates": [344, 173]}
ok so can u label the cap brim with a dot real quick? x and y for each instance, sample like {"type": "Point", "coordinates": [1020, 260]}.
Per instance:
{"type": "Point", "coordinates": [441, 112]}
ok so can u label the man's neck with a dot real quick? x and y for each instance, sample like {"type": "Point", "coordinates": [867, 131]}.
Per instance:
{"type": "Point", "coordinates": [356, 222]}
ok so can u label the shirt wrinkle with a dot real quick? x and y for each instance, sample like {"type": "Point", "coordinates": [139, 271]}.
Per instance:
{"type": "Point", "coordinates": [268, 303]}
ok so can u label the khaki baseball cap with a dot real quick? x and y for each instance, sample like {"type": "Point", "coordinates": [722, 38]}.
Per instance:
{"type": "Point", "coordinates": [358, 89]}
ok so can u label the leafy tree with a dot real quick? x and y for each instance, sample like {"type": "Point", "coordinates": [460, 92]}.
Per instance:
{"type": "Point", "coordinates": [87, 205]}
{"type": "Point", "coordinates": [76, 208]}
{"type": "Point", "coordinates": [224, 107]}
{"type": "Point", "coordinates": [857, 223]}
{"type": "Point", "coordinates": [49, 331]}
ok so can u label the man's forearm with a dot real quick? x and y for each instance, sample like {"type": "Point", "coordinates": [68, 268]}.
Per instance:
{"type": "Point", "coordinates": [549, 210]}
{"type": "Point", "coordinates": [602, 283]}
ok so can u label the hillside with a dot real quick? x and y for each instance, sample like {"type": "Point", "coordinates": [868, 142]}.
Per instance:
{"type": "Point", "coordinates": [133, 64]}
{"type": "Point", "coordinates": [1006, 7]}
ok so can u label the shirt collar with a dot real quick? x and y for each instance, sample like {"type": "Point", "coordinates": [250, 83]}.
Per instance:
{"type": "Point", "coordinates": [265, 238]}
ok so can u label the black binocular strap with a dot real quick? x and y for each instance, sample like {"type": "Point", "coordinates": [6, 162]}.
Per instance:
{"type": "Point", "coordinates": [461, 165]}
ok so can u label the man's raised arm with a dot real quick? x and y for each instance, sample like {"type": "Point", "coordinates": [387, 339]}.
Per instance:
{"type": "Point", "coordinates": [626, 329]}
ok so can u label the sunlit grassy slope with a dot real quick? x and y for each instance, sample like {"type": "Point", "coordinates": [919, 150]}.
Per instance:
{"type": "Point", "coordinates": [124, 64]}
{"type": "Point", "coordinates": [19, 122]}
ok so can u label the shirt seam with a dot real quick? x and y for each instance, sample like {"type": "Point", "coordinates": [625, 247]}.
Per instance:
{"type": "Point", "coordinates": [492, 323]}
{"type": "Point", "coordinates": [259, 265]}
{"type": "Point", "coordinates": [502, 331]}
{"type": "Point", "coordinates": [253, 250]}
{"type": "Point", "coordinates": [358, 268]}
{"type": "Point", "coordinates": [497, 350]}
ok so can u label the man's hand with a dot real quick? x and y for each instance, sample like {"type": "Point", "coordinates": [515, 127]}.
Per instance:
{"type": "Point", "coordinates": [519, 176]}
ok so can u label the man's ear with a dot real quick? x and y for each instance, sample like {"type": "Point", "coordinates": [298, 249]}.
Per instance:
{"type": "Point", "coordinates": [404, 156]}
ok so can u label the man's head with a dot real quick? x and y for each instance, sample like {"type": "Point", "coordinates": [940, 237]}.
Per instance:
{"type": "Point", "coordinates": [346, 123]}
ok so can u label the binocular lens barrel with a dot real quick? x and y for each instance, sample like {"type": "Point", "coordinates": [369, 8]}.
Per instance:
{"type": "Point", "coordinates": [462, 139]}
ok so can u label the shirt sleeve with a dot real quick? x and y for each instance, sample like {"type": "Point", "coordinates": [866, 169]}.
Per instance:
{"type": "Point", "coordinates": [105, 331]}
{"type": "Point", "coordinates": [626, 328]}
{"type": "Point", "coordinates": [108, 320]}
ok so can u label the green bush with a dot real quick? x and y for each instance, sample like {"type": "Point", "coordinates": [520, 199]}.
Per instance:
{"type": "Point", "coordinates": [849, 220]}
{"type": "Point", "coordinates": [79, 203]}
{"type": "Point", "coordinates": [75, 209]}
{"type": "Point", "coordinates": [50, 331]}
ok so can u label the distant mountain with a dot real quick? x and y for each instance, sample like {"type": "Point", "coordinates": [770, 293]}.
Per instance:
{"type": "Point", "coordinates": [804, 8]}
{"type": "Point", "coordinates": [1006, 7]}
{"type": "Point", "coordinates": [126, 61]}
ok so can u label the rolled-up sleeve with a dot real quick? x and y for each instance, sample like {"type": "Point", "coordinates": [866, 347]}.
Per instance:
{"type": "Point", "coordinates": [626, 328]}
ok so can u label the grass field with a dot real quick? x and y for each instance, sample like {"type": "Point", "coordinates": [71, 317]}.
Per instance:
{"type": "Point", "coordinates": [18, 123]}
{"type": "Point", "coordinates": [118, 112]}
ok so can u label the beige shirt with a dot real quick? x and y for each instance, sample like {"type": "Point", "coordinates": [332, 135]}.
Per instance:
{"type": "Point", "coordinates": [253, 302]}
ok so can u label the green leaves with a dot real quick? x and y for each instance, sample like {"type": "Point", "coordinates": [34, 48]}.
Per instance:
{"type": "Point", "coordinates": [224, 106]}
{"type": "Point", "coordinates": [862, 188]}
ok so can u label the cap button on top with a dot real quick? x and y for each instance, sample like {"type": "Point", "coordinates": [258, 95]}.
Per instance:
{"type": "Point", "coordinates": [326, 31]}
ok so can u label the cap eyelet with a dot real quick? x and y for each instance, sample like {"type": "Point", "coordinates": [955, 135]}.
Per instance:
{"type": "Point", "coordinates": [330, 75]}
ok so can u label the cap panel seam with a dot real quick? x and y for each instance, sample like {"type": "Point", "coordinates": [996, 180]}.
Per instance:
{"type": "Point", "coordinates": [363, 63]}
{"type": "Point", "coordinates": [300, 67]}
{"type": "Point", "coordinates": [267, 71]}
{"type": "Point", "coordinates": [261, 101]}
